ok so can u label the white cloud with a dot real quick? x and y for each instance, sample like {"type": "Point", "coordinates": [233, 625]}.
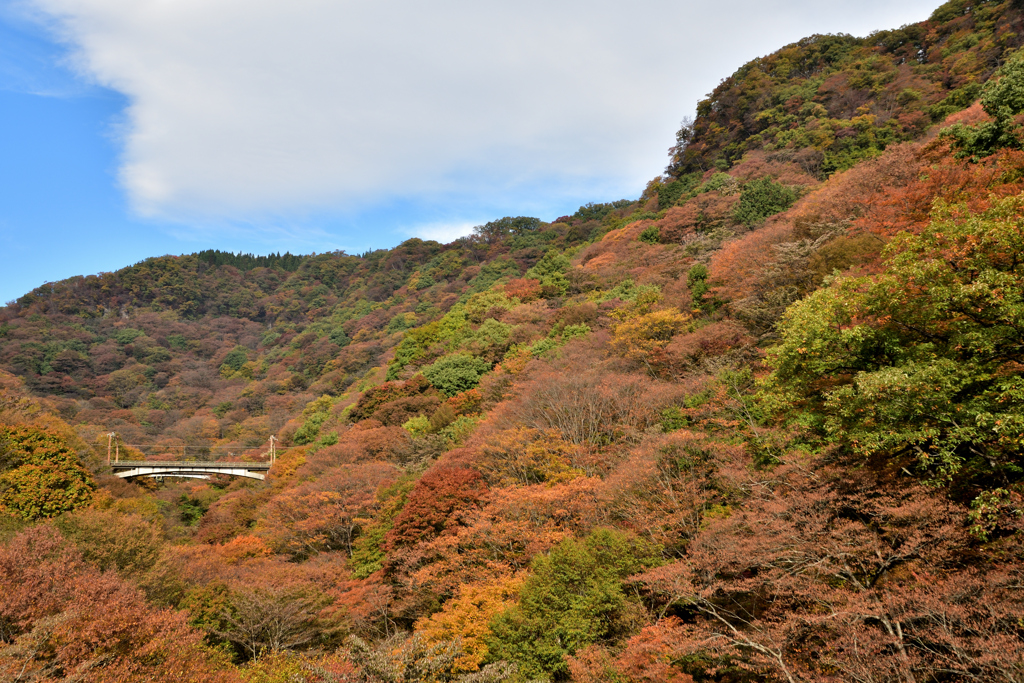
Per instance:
{"type": "Point", "coordinates": [243, 108]}
{"type": "Point", "coordinates": [443, 232]}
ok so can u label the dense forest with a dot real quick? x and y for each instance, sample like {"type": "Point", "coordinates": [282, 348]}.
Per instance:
{"type": "Point", "coordinates": [763, 423]}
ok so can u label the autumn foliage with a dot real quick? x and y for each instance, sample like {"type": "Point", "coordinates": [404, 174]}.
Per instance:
{"type": "Point", "coordinates": [761, 423]}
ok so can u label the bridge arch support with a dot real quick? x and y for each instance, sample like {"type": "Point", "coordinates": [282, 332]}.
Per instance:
{"type": "Point", "coordinates": [249, 470]}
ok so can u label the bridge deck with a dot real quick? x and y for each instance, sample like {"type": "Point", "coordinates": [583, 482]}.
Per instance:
{"type": "Point", "coordinates": [202, 464]}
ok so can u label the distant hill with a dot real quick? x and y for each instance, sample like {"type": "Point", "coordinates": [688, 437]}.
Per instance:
{"type": "Point", "coordinates": [764, 422]}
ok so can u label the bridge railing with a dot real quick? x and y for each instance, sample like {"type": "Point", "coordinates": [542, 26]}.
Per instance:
{"type": "Point", "coordinates": [114, 452]}
{"type": "Point", "coordinates": [192, 463]}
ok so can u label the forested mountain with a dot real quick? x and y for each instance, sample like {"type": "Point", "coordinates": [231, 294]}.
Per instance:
{"type": "Point", "coordinates": [763, 423]}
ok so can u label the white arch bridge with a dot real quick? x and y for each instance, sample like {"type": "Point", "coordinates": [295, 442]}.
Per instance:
{"type": "Point", "coordinates": [193, 469]}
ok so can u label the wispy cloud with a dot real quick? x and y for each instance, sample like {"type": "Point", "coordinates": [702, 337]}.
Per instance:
{"type": "Point", "coordinates": [442, 232]}
{"type": "Point", "coordinates": [241, 110]}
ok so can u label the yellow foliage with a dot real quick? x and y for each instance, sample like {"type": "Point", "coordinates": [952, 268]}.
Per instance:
{"type": "Point", "coordinates": [638, 337]}
{"type": "Point", "coordinates": [466, 617]}
{"type": "Point", "coordinates": [529, 456]}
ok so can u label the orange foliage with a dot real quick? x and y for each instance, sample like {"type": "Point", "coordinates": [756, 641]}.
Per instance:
{"type": "Point", "coordinates": [711, 341]}
{"type": "Point", "coordinates": [600, 261]}
{"type": "Point", "coordinates": [758, 164]}
{"type": "Point", "coordinates": [642, 338]}
{"type": "Point", "coordinates": [524, 289]}
{"type": "Point", "coordinates": [907, 206]}
{"type": "Point", "coordinates": [629, 233]}
{"type": "Point", "coordinates": [971, 116]}
{"type": "Point", "coordinates": [61, 614]}
{"type": "Point", "coordinates": [851, 193]}
{"type": "Point", "coordinates": [514, 526]}
{"type": "Point", "coordinates": [325, 514]}
{"type": "Point", "coordinates": [242, 548]}
{"type": "Point", "coordinates": [662, 488]}
{"type": "Point", "coordinates": [587, 405]}
{"type": "Point", "coordinates": [736, 268]}
{"type": "Point", "coordinates": [647, 658]}
{"type": "Point", "coordinates": [703, 213]}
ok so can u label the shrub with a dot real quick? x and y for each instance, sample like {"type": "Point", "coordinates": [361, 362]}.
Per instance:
{"type": "Point", "coordinates": [456, 373]}
{"type": "Point", "coordinates": [650, 235]}
{"type": "Point", "coordinates": [762, 198]}
{"type": "Point", "coordinates": [573, 598]}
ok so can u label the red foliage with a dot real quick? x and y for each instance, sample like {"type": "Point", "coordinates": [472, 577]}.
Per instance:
{"type": "Point", "coordinates": [60, 614]}
{"type": "Point", "coordinates": [514, 525]}
{"type": "Point", "coordinates": [787, 168]}
{"type": "Point", "coordinates": [737, 267]}
{"type": "Point", "coordinates": [368, 440]}
{"type": "Point", "coordinates": [867, 571]}
{"type": "Point", "coordinates": [34, 570]}
{"type": "Point", "coordinates": [708, 342]}
{"type": "Point", "coordinates": [437, 504]}
{"type": "Point", "coordinates": [907, 206]}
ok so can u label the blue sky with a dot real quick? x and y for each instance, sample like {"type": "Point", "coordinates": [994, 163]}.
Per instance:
{"type": "Point", "coordinates": [136, 128]}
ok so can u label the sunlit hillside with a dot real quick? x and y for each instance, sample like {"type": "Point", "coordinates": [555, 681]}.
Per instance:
{"type": "Point", "coordinates": [764, 422]}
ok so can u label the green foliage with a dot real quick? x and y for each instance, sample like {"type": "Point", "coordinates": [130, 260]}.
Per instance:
{"type": "Point", "coordinates": [479, 305]}
{"type": "Point", "coordinates": [402, 321]}
{"type": "Point", "coordinates": [246, 262]}
{"type": "Point", "coordinates": [575, 331]}
{"type": "Point", "coordinates": [954, 9]}
{"type": "Point", "coordinates": [178, 341]}
{"type": "Point", "coordinates": [550, 271]}
{"type": "Point", "coordinates": [40, 476]}
{"type": "Point", "coordinates": [338, 336]}
{"type": "Point", "coordinates": [596, 212]}
{"type": "Point", "coordinates": [720, 182]}
{"type": "Point", "coordinates": [629, 291]}
{"type": "Point", "coordinates": [112, 540]}
{"type": "Point", "coordinates": [762, 198]}
{"type": "Point", "coordinates": [493, 271]}
{"type": "Point", "coordinates": [697, 281]}
{"type": "Point", "coordinates": [1002, 99]}
{"type": "Point", "coordinates": [921, 361]}
{"type": "Point", "coordinates": [191, 510]}
{"type": "Point", "coordinates": [958, 99]}
{"type": "Point", "coordinates": [669, 193]}
{"type": "Point", "coordinates": [368, 549]}
{"type": "Point", "coordinates": [673, 419]}
{"type": "Point", "coordinates": [128, 335]}
{"type": "Point", "coordinates": [236, 358]}
{"type": "Point", "coordinates": [495, 231]}
{"type": "Point", "coordinates": [456, 373]}
{"type": "Point", "coordinates": [316, 413]}
{"type": "Point", "coordinates": [650, 235]}
{"type": "Point", "coordinates": [573, 597]}
{"type": "Point", "coordinates": [829, 101]}
{"type": "Point", "coordinates": [418, 426]}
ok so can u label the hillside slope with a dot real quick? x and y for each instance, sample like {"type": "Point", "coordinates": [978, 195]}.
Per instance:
{"type": "Point", "coordinates": [764, 423]}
